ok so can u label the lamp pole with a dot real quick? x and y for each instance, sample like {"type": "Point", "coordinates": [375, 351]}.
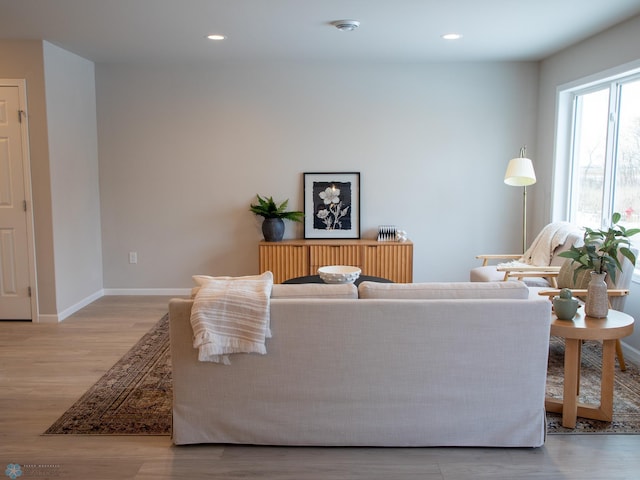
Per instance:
{"type": "Point", "coordinates": [524, 219]}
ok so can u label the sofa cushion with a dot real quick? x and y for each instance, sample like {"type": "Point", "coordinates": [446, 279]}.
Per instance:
{"type": "Point", "coordinates": [314, 290]}
{"type": "Point", "coordinates": [444, 290]}
{"type": "Point", "coordinates": [201, 280]}
{"type": "Point", "coordinates": [303, 290]}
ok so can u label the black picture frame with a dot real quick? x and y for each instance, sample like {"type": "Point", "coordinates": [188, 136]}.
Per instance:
{"type": "Point", "coordinates": [331, 205]}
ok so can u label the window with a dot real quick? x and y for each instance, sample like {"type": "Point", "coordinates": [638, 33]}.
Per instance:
{"type": "Point", "coordinates": [601, 141]}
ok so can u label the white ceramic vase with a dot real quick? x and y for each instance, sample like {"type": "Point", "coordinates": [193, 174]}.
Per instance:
{"type": "Point", "coordinates": [597, 304]}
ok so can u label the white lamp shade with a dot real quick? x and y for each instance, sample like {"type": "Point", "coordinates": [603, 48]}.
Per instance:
{"type": "Point", "coordinates": [520, 173]}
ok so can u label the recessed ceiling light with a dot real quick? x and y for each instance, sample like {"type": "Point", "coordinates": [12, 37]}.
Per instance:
{"type": "Point", "coordinates": [216, 36]}
{"type": "Point", "coordinates": [451, 36]}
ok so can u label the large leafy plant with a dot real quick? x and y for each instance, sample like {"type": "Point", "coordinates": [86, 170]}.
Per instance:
{"type": "Point", "coordinates": [602, 248]}
{"type": "Point", "coordinates": [267, 208]}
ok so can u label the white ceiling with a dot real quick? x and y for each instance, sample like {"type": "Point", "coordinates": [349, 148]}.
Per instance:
{"type": "Point", "coordinates": [391, 30]}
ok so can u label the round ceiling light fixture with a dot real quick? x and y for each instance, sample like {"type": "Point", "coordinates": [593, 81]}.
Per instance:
{"type": "Point", "coordinates": [216, 36]}
{"type": "Point", "coordinates": [451, 36]}
{"type": "Point", "coordinates": [346, 25]}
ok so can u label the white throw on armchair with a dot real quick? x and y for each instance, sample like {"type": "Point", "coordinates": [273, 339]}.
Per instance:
{"type": "Point", "coordinates": [539, 265]}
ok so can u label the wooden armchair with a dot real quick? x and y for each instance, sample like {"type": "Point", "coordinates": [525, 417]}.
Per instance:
{"type": "Point", "coordinates": [526, 273]}
{"type": "Point", "coordinates": [533, 268]}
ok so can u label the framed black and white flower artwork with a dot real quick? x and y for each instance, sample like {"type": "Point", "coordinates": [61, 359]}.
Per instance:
{"type": "Point", "coordinates": [332, 205]}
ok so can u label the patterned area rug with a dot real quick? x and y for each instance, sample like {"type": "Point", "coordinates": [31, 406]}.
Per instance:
{"type": "Point", "coordinates": [134, 396]}
{"type": "Point", "coordinates": [626, 396]}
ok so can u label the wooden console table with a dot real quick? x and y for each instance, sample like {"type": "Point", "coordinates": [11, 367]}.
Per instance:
{"type": "Point", "coordinates": [298, 258]}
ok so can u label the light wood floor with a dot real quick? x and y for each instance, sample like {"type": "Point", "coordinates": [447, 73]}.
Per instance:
{"type": "Point", "coordinates": [45, 368]}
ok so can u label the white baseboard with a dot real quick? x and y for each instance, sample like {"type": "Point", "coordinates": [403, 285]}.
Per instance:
{"type": "Point", "coordinates": [60, 316]}
{"type": "Point", "coordinates": [148, 291]}
{"type": "Point", "coordinates": [630, 353]}
{"type": "Point", "coordinates": [67, 312]}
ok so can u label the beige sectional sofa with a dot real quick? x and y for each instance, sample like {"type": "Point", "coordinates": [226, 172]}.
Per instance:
{"type": "Point", "coordinates": [433, 364]}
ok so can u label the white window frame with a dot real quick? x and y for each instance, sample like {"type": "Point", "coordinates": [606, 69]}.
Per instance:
{"type": "Point", "coordinates": [565, 95]}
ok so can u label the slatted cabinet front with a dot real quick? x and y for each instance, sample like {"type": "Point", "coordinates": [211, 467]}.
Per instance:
{"type": "Point", "coordinates": [297, 258]}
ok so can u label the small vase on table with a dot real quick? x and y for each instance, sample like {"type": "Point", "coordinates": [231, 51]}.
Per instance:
{"type": "Point", "coordinates": [597, 303]}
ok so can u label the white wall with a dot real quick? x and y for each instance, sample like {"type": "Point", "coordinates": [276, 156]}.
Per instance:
{"type": "Point", "coordinates": [23, 59]}
{"type": "Point", "coordinates": [75, 196]}
{"type": "Point", "coordinates": [183, 151]}
{"type": "Point", "coordinates": [614, 47]}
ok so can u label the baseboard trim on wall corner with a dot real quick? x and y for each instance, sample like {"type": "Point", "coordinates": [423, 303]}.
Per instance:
{"type": "Point", "coordinates": [67, 312]}
{"type": "Point", "coordinates": [148, 291]}
{"type": "Point", "coordinates": [630, 353]}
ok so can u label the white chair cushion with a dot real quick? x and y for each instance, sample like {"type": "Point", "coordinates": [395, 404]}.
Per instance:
{"type": "Point", "coordinates": [565, 276]}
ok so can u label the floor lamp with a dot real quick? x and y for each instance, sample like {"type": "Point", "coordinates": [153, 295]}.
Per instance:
{"type": "Point", "coordinates": [520, 173]}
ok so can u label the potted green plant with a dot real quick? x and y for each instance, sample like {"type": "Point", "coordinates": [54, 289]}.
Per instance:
{"type": "Point", "coordinates": [274, 216]}
{"type": "Point", "coordinates": [600, 254]}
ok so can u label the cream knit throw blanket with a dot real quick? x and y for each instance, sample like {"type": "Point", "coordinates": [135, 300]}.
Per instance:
{"type": "Point", "coordinates": [231, 315]}
{"type": "Point", "coordinates": [551, 237]}
{"type": "Point", "coordinates": [540, 252]}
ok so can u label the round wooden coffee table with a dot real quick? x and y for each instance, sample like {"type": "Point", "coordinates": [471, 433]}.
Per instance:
{"type": "Point", "coordinates": [617, 325]}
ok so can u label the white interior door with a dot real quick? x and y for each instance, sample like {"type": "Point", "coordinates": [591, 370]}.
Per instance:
{"type": "Point", "coordinates": [15, 294]}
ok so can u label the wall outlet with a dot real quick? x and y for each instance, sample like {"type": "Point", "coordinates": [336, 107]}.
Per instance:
{"type": "Point", "coordinates": [133, 257]}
